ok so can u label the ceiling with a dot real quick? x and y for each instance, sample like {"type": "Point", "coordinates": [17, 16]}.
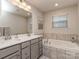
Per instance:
{"type": "Point", "coordinates": [48, 5]}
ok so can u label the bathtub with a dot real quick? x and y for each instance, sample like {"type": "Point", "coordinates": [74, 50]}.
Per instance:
{"type": "Point", "coordinates": [58, 49]}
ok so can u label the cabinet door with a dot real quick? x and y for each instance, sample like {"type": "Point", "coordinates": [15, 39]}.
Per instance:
{"type": "Point", "coordinates": [26, 53]}
{"type": "Point", "coordinates": [14, 56]}
{"type": "Point", "coordinates": [34, 51]}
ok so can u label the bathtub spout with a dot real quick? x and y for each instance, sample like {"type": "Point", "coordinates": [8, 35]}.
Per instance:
{"type": "Point", "coordinates": [73, 39]}
{"type": "Point", "coordinates": [46, 41]}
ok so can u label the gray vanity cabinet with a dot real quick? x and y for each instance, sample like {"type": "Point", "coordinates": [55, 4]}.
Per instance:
{"type": "Point", "coordinates": [31, 49]}
{"type": "Point", "coordinates": [34, 49]}
{"type": "Point", "coordinates": [26, 53]}
{"type": "Point", "coordinates": [26, 50]}
{"type": "Point", "coordinates": [10, 52]}
{"type": "Point", "coordinates": [13, 56]}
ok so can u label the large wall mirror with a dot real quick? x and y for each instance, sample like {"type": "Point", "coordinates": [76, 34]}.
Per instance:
{"type": "Point", "coordinates": [60, 21]}
{"type": "Point", "coordinates": [14, 18]}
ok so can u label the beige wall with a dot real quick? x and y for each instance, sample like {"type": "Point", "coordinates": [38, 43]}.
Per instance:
{"type": "Point", "coordinates": [36, 16]}
{"type": "Point", "coordinates": [72, 20]}
{"type": "Point", "coordinates": [0, 7]}
{"type": "Point", "coordinates": [29, 26]}
{"type": "Point", "coordinates": [78, 17]}
{"type": "Point", "coordinates": [18, 24]}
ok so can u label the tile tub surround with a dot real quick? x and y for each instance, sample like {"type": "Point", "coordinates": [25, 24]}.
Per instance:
{"type": "Point", "coordinates": [65, 37]}
{"type": "Point", "coordinates": [14, 41]}
{"type": "Point", "coordinates": [65, 49]}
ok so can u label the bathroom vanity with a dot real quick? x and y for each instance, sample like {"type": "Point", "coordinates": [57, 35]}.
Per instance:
{"type": "Point", "coordinates": [22, 48]}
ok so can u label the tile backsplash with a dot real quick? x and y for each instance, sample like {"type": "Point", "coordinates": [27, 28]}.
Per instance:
{"type": "Point", "coordinates": [66, 37]}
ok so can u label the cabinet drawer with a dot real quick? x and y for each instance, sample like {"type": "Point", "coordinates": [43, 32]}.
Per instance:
{"type": "Point", "coordinates": [40, 39]}
{"type": "Point", "coordinates": [25, 44]}
{"type": "Point", "coordinates": [9, 50]}
{"type": "Point", "coordinates": [34, 41]}
{"type": "Point", "coordinates": [13, 56]}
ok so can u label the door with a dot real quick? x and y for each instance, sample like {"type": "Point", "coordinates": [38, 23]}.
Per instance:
{"type": "Point", "coordinates": [26, 53]}
{"type": "Point", "coordinates": [34, 51]}
{"type": "Point", "coordinates": [14, 56]}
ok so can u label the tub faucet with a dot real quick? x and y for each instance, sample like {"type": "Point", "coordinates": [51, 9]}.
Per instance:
{"type": "Point", "coordinates": [73, 39]}
{"type": "Point", "coordinates": [46, 41]}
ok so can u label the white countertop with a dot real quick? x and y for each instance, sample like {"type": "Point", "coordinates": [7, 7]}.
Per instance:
{"type": "Point", "coordinates": [14, 41]}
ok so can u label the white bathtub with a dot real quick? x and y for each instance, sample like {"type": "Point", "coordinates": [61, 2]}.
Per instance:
{"type": "Point", "coordinates": [58, 49]}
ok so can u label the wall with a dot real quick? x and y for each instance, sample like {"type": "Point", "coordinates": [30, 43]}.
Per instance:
{"type": "Point", "coordinates": [29, 22]}
{"type": "Point", "coordinates": [36, 16]}
{"type": "Point", "coordinates": [78, 17]}
{"type": "Point", "coordinates": [72, 20]}
{"type": "Point", "coordinates": [0, 7]}
{"type": "Point", "coordinates": [18, 24]}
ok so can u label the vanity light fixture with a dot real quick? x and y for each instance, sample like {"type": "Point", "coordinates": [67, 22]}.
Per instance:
{"type": "Point", "coordinates": [21, 4]}
{"type": "Point", "coordinates": [29, 7]}
{"type": "Point", "coordinates": [24, 4]}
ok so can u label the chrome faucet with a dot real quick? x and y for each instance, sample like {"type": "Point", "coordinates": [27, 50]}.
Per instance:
{"type": "Point", "coordinates": [45, 41]}
{"type": "Point", "coordinates": [16, 35]}
{"type": "Point", "coordinates": [6, 33]}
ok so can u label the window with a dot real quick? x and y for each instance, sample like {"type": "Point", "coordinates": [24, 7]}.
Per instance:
{"type": "Point", "coordinates": [60, 22]}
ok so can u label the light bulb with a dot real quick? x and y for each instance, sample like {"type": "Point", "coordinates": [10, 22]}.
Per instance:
{"type": "Point", "coordinates": [29, 7]}
{"type": "Point", "coordinates": [56, 4]}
